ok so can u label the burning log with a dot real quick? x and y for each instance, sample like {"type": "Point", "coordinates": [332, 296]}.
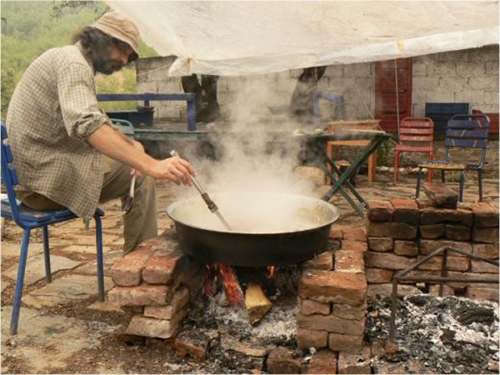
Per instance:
{"type": "Point", "coordinates": [256, 302]}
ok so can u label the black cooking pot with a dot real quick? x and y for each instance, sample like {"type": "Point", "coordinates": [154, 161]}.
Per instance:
{"type": "Point", "coordinates": [268, 228]}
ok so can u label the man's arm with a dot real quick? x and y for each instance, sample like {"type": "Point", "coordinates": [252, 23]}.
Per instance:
{"type": "Point", "coordinates": [112, 144]}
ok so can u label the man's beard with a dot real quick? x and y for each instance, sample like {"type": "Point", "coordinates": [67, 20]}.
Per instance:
{"type": "Point", "coordinates": [107, 66]}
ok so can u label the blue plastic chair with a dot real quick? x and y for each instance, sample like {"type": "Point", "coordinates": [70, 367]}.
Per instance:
{"type": "Point", "coordinates": [29, 219]}
{"type": "Point", "coordinates": [462, 131]}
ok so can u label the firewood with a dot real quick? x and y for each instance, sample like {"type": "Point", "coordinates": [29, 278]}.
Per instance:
{"type": "Point", "coordinates": [256, 302]}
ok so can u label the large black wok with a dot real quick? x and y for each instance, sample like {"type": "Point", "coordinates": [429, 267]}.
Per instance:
{"type": "Point", "coordinates": [268, 228]}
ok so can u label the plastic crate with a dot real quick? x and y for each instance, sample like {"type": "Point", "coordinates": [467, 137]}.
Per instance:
{"type": "Point", "coordinates": [137, 118]}
{"type": "Point", "coordinates": [440, 113]}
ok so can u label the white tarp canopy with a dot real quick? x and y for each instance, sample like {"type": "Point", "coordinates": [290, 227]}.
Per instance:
{"type": "Point", "coordinates": [241, 38]}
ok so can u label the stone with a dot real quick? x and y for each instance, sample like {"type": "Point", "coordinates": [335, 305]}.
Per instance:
{"type": "Point", "coordinates": [441, 195]}
{"type": "Point", "coordinates": [354, 234]}
{"type": "Point", "coordinates": [141, 295]}
{"type": "Point", "coordinates": [13, 250]}
{"type": "Point", "coordinates": [64, 290]}
{"type": "Point", "coordinates": [470, 275]}
{"type": "Point", "coordinates": [428, 246]}
{"type": "Point", "coordinates": [432, 231]}
{"type": "Point", "coordinates": [378, 275]}
{"type": "Point", "coordinates": [345, 343]}
{"type": "Point", "coordinates": [193, 344]}
{"type": "Point", "coordinates": [447, 290]}
{"type": "Point", "coordinates": [408, 248]}
{"type": "Point", "coordinates": [387, 261]}
{"type": "Point", "coordinates": [358, 246]}
{"type": "Point", "coordinates": [349, 312]}
{"type": "Point", "coordinates": [90, 268]}
{"type": "Point", "coordinates": [308, 338]}
{"type": "Point", "coordinates": [405, 211]}
{"type": "Point", "coordinates": [179, 300]}
{"type": "Point", "coordinates": [431, 215]}
{"type": "Point", "coordinates": [323, 261]}
{"type": "Point", "coordinates": [393, 230]}
{"type": "Point", "coordinates": [482, 267]}
{"type": "Point", "coordinates": [482, 293]}
{"type": "Point", "coordinates": [349, 261]}
{"type": "Point", "coordinates": [458, 232]}
{"type": "Point", "coordinates": [282, 361]}
{"type": "Point", "coordinates": [488, 235]}
{"type": "Point", "coordinates": [127, 271]}
{"type": "Point", "coordinates": [150, 327]}
{"type": "Point", "coordinates": [386, 290]}
{"type": "Point", "coordinates": [452, 263]}
{"type": "Point", "coordinates": [160, 269]}
{"type": "Point", "coordinates": [332, 286]}
{"type": "Point", "coordinates": [381, 244]}
{"type": "Point", "coordinates": [350, 363]}
{"type": "Point", "coordinates": [308, 307]}
{"type": "Point", "coordinates": [489, 251]}
{"type": "Point", "coordinates": [485, 216]}
{"type": "Point", "coordinates": [390, 368]}
{"type": "Point", "coordinates": [247, 348]}
{"type": "Point", "coordinates": [380, 211]}
{"type": "Point", "coordinates": [35, 268]}
{"type": "Point", "coordinates": [331, 323]}
{"type": "Point", "coordinates": [322, 362]}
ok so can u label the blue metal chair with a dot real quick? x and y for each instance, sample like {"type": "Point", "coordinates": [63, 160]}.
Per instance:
{"type": "Point", "coordinates": [29, 219]}
{"type": "Point", "coordinates": [462, 131]}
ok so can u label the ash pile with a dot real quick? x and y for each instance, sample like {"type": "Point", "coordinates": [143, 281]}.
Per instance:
{"type": "Point", "coordinates": [436, 335]}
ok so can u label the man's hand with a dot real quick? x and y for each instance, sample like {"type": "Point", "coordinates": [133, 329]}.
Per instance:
{"type": "Point", "coordinates": [174, 169]}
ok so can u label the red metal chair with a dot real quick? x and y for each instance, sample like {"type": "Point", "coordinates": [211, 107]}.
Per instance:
{"type": "Point", "coordinates": [416, 134]}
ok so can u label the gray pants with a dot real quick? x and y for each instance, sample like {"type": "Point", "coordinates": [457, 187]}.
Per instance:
{"type": "Point", "coordinates": [139, 224]}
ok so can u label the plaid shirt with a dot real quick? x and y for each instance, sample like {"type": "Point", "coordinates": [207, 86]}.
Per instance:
{"type": "Point", "coordinates": [51, 114]}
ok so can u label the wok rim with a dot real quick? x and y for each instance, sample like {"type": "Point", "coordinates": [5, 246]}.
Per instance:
{"type": "Point", "coordinates": [335, 213]}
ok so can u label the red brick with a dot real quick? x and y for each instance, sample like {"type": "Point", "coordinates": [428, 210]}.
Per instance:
{"type": "Point", "coordinates": [447, 290]}
{"type": "Point", "coordinates": [151, 327]}
{"type": "Point", "coordinates": [393, 230]}
{"type": "Point", "coordinates": [349, 261]}
{"type": "Point", "coordinates": [431, 215]}
{"type": "Point", "coordinates": [428, 246]}
{"type": "Point", "coordinates": [387, 261]}
{"type": "Point", "coordinates": [127, 271]}
{"type": "Point", "coordinates": [336, 234]}
{"type": "Point", "coordinates": [458, 232]}
{"type": "Point", "coordinates": [331, 323]}
{"type": "Point", "coordinates": [380, 211]}
{"type": "Point", "coordinates": [452, 263]}
{"type": "Point", "coordinates": [354, 234]}
{"type": "Point", "coordinates": [488, 235]}
{"type": "Point", "coordinates": [408, 248]}
{"type": "Point", "coordinates": [349, 312]}
{"type": "Point", "coordinates": [358, 246]}
{"type": "Point", "coordinates": [471, 275]}
{"type": "Point", "coordinates": [488, 251]}
{"type": "Point", "coordinates": [380, 243]}
{"type": "Point", "coordinates": [323, 261]}
{"type": "Point", "coordinates": [482, 293]}
{"type": "Point", "coordinates": [359, 363]}
{"type": "Point", "coordinates": [309, 307]}
{"type": "Point", "coordinates": [159, 269]}
{"type": "Point", "coordinates": [441, 195]}
{"type": "Point", "coordinates": [322, 362]}
{"type": "Point", "coordinates": [385, 290]}
{"type": "Point", "coordinates": [141, 295]}
{"type": "Point", "coordinates": [192, 344]}
{"type": "Point", "coordinates": [405, 211]}
{"type": "Point", "coordinates": [332, 286]}
{"type": "Point", "coordinates": [432, 231]}
{"type": "Point", "coordinates": [282, 361]}
{"type": "Point", "coordinates": [307, 338]}
{"type": "Point", "coordinates": [421, 273]}
{"type": "Point", "coordinates": [345, 343]}
{"type": "Point", "coordinates": [378, 275]}
{"type": "Point", "coordinates": [179, 300]}
{"type": "Point", "coordinates": [485, 216]}
{"type": "Point", "coordinates": [483, 267]}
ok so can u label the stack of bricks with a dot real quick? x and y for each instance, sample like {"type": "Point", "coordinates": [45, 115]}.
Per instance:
{"type": "Point", "coordinates": [401, 232]}
{"type": "Point", "coordinates": [156, 282]}
{"type": "Point", "coordinates": [332, 302]}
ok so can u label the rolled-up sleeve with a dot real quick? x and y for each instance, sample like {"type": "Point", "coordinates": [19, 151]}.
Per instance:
{"type": "Point", "coordinates": [77, 98]}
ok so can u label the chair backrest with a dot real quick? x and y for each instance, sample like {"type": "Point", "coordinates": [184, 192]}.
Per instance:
{"type": "Point", "coordinates": [9, 175]}
{"type": "Point", "coordinates": [467, 131]}
{"type": "Point", "coordinates": [416, 129]}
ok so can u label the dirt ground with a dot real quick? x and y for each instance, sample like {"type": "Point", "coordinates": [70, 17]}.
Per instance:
{"type": "Point", "coordinates": [66, 330]}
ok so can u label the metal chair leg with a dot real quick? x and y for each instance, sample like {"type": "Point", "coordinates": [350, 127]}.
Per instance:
{"type": "Point", "coordinates": [100, 267]}
{"type": "Point", "coordinates": [480, 180]}
{"type": "Point", "coordinates": [462, 182]}
{"type": "Point", "coordinates": [396, 167]}
{"type": "Point", "coordinates": [46, 254]}
{"type": "Point", "coordinates": [21, 268]}
{"type": "Point", "coordinates": [419, 176]}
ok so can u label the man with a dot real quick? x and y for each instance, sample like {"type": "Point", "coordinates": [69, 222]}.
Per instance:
{"type": "Point", "coordinates": [66, 152]}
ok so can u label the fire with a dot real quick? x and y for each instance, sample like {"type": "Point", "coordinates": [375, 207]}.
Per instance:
{"type": "Point", "coordinates": [225, 274]}
{"type": "Point", "coordinates": [270, 271]}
